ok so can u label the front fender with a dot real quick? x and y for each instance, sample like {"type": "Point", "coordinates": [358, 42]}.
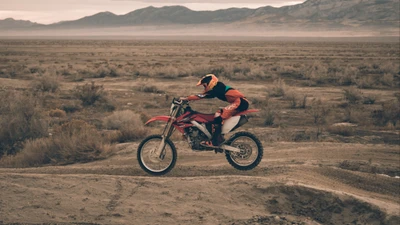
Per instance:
{"type": "Point", "coordinates": [158, 118]}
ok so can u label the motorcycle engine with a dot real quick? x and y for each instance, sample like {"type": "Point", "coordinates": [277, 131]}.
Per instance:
{"type": "Point", "coordinates": [196, 137]}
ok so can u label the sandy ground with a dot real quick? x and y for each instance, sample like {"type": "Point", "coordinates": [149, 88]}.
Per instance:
{"type": "Point", "coordinates": [296, 183]}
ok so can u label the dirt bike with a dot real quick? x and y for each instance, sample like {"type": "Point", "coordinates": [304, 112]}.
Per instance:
{"type": "Point", "coordinates": [157, 153]}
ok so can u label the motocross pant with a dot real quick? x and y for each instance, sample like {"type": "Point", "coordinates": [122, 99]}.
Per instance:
{"type": "Point", "coordinates": [239, 105]}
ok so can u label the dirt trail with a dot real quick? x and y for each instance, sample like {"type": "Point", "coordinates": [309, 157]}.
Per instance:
{"type": "Point", "coordinates": [296, 183]}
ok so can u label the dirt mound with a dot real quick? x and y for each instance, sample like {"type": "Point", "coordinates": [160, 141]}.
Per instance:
{"type": "Point", "coordinates": [364, 181]}
{"type": "Point", "coordinates": [322, 207]}
{"type": "Point", "coordinates": [367, 167]}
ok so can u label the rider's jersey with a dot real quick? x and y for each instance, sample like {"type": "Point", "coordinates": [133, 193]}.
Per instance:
{"type": "Point", "coordinates": [220, 91]}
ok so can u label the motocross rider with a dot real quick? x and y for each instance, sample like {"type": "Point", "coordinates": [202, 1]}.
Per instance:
{"type": "Point", "coordinates": [214, 88]}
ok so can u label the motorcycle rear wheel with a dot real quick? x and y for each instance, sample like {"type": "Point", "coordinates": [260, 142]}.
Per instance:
{"type": "Point", "coordinates": [251, 151]}
{"type": "Point", "coordinates": [151, 163]}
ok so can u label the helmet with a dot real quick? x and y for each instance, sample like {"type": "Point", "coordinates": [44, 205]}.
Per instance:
{"type": "Point", "coordinates": [208, 81]}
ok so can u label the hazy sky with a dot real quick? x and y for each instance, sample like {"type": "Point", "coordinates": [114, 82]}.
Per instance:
{"type": "Point", "coordinates": [50, 11]}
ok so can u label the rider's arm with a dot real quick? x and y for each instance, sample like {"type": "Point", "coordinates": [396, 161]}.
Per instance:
{"type": "Point", "coordinates": [198, 97]}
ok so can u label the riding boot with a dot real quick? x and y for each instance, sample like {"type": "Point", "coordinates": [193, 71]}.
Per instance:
{"type": "Point", "coordinates": [217, 138]}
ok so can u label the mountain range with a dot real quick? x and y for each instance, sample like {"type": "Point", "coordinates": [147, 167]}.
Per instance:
{"type": "Point", "coordinates": [313, 14]}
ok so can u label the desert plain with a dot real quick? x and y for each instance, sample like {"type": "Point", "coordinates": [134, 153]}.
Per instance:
{"type": "Point", "coordinates": [328, 122]}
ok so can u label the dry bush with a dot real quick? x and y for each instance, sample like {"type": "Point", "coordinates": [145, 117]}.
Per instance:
{"type": "Point", "coordinates": [353, 95]}
{"type": "Point", "coordinates": [57, 113]}
{"type": "Point", "coordinates": [73, 142]}
{"type": "Point", "coordinates": [149, 89]}
{"type": "Point", "coordinates": [71, 107]}
{"type": "Point", "coordinates": [89, 94]}
{"type": "Point", "coordinates": [387, 80]}
{"type": "Point", "coordinates": [348, 76]}
{"type": "Point", "coordinates": [260, 102]}
{"type": "Point", "coordinates": [36, 69]}
{"type": "Point", "coordinates": [34, 154]}
{"type": "Point", "coordinates": [14, 71]}
{"type": "Point", "coordinates": [268, 117]}
{"type": "Point", "coordinates": [390, 112]}
{"type": "Point", "coordinates": [319, 113]}
{"type": "Point", "coordinates": [296, 101]}
{"type": "Point", "coordinates": [20, 119]}
{"type": "Point", "coordinates": [108, 71]}
{"type": "Point", "coordinates": [46, 83]}
{"type": "Point", "coordinates": [369, 100]}
{"type": "Point", "coordinates": [128, 123]}
{"type": "Point", "coordinates": [279, 89]}
{"type": "Point", "coordinates": [356, 114]}
{"type": "Point", "coordinates": [366, 82]}
{"type": "Point", "coordinates": [341, 129]}
{"type": "Point", "coordinates": [318, 72]}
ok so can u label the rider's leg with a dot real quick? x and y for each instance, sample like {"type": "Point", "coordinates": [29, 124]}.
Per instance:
{"type": "Point", "coordinates": [217, 138]}
{"type": "Point", "coordinates": [226, 113]}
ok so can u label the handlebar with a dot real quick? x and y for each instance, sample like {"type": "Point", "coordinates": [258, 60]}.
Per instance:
{"type": "Point", "coordinates": [179, 102]}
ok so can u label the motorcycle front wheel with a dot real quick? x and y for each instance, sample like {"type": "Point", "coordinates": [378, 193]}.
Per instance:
{"type": "Point", "coordinates": [251, 151]}
{"type": "Point", "coordinates": [152, 163]}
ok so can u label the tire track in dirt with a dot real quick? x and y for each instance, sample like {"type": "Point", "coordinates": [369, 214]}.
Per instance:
{"type": "Point", "coordinates": [115, 198]}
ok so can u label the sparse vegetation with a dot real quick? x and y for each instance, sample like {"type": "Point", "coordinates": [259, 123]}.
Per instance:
{"type": "Point", "coordinates": [268, 117]}
{"type": "Point", "coordinates": [279, 89]}
{"type": "Point", "coordinates": [341, 129]}
{"type": "Point", "coordinates": [21, 119]}
{"type": "Point", "coordinates": [89, 94]}
{"type": "Point", "coordinates": [390, 113]}
{"type": "Point", "coordinates": [353, 87]}
{"type": "Point", "coordinates": [353, 95]}
{"type": "Point", "coordinates": [149, 89]}
{"type": "Point", "coordinates": [72, 142]}
{"type": "Point", "coordinates": [46, 83]}
{"type": "Point", "coordinates": [129, 125]}
{"type": "Point", "coordinates": [57, 113]}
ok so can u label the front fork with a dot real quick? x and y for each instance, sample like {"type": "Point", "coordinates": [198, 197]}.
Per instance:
{"type": "Point", "coordinates": [169, 129]}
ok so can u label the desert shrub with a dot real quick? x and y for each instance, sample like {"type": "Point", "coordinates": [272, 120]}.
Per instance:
{"type": "Point", "coordinates": [365, 82]}
{"type": "Point", "coordinates": [128, 123]}
{"type": "Point", "coordinates": [70, 108]}
{"type": "Point", "coordinates": [149, 89]}
{"type": "Point", "coordinates": [46, 83]}
{"type": "Point", "coordinates": [318, 72]}
{"type": "Point", "coordinates": [36, 69]}
{"type": "Point", "coordinates": [319, 113]}
{"type": "Point", "coordinates": [108, 71]}
{"type": "Point", "coordinates": [57, 113]}
{"type": "Point", "coordinates": [268, 117]}
{"type": "Point", "coordinates": [89, 93]}
{"type": "Point", "coordinates": [14, 71]}
{"type": "Point", "coordinates": [369, 100]}
{"type": "Point", "coordinates": [387, 79]}
{"type": "Point", "coordinates": [72, 142]}
{"type": "Point", "coordinates": [279, 89]}
{"type": "Point", "coordinates": [296, 102]}
{"type": "Point", "coordinates": [352, 95]}
{"type": "Point", "coordinates": [260, 102]}
{"type": "Point", "coordinates": [397, 95]}
{"type": "Point", "coordinates": [20, 119]}
{"type": "Point", "coordinates": [390, 112]}
{"type": "Point", "coordinates": [341, 129]}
